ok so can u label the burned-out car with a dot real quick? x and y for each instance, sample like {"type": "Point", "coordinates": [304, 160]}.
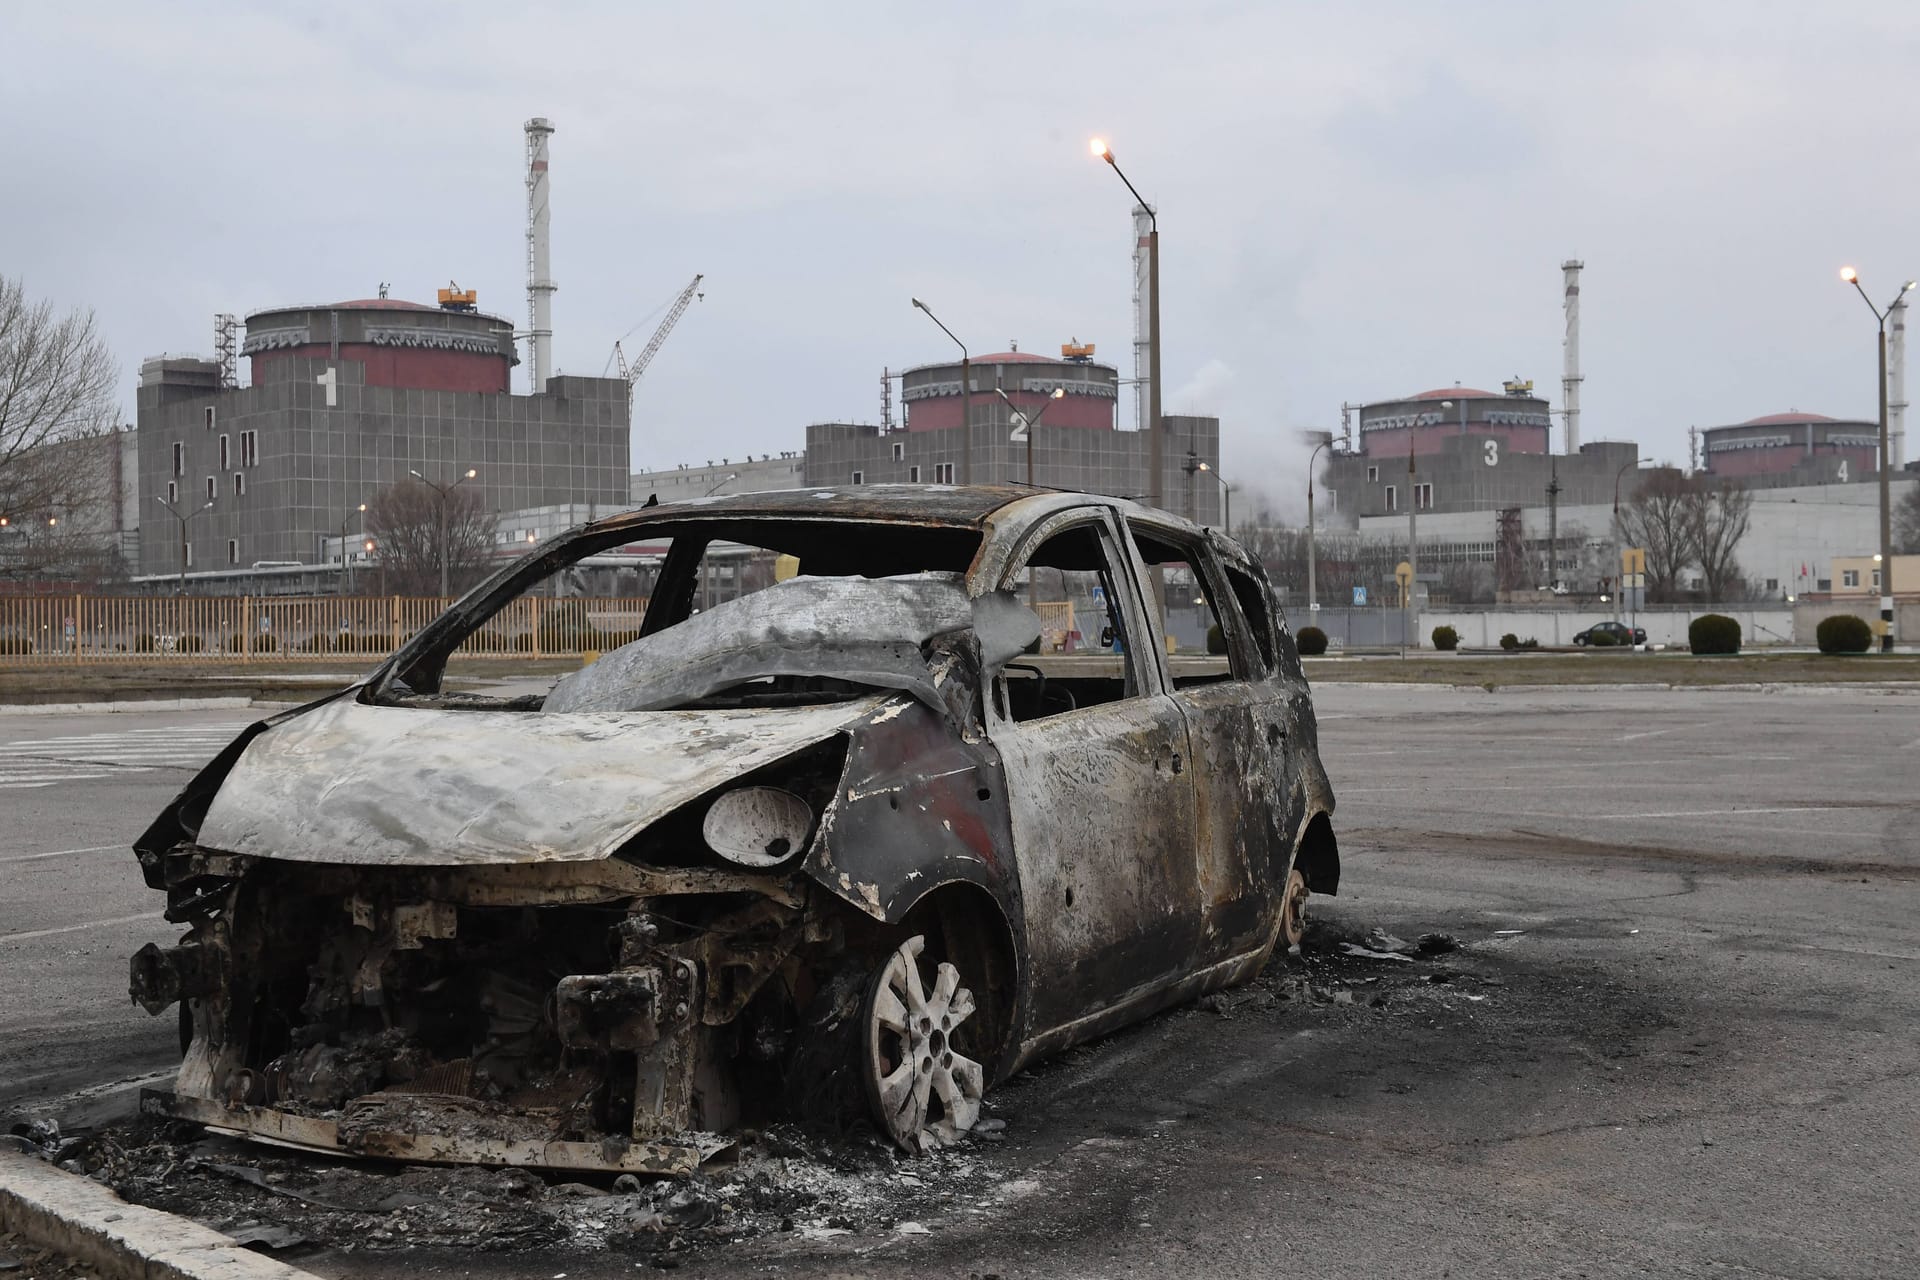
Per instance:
{"type": "Point", "coordinates": [840, 836]}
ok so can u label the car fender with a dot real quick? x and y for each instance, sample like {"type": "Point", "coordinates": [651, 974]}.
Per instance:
{"type": "Point", "coordinates": [918, 806]}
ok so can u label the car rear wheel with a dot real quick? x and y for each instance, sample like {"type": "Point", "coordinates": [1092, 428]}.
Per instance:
{"type": "Point", "coordinates": [924, 1092]}
{"type": "Point", "coordinates": [1293, 910]}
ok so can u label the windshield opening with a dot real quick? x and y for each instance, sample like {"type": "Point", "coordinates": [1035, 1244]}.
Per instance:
{"type": "Point", "coordinates": [589, 597]}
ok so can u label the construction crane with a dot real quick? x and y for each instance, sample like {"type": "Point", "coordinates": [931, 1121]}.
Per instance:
{"type": "Point", "coordinates": [631, 373]}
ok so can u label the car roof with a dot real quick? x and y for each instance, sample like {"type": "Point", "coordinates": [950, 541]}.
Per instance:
{"type": "Point", "coordinates": [957, 506]}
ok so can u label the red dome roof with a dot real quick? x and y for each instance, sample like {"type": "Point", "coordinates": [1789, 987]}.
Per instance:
{"type": "Point", "coordinates": [1778, 419]}
{"type": "Point", "coordinates": [1452, 393]}
{"type": "Point", "coordinates": [1016, 357]}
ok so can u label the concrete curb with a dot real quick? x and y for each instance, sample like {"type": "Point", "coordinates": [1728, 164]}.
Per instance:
{"type": "Point", "coordinates": [150, 704]}
{"type": "Point", "coordinates": [89, 1223]}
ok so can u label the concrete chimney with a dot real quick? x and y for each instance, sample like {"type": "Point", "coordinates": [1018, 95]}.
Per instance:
{"type": "Point", "coordinates": [540, 284]}
{"type": "Point", "coordinates": [1142, 309]}
{"type": "Point", "coordinates": [1570, 356]}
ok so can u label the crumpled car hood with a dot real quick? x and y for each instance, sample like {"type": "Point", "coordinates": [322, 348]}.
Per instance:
{"type": "Point", "coordinates": [368, 785]}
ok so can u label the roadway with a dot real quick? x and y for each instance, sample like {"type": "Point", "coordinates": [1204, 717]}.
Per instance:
{"type": "Point", "coordinates": [74, 792]}
{"type": "Point", "coordinates": [1680, 1039]}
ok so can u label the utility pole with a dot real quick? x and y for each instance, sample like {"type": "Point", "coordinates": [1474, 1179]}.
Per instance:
{"type": "Point", "coordinates": [1852, 277]}
{"type": "Point", "coordinates": [1156, 433]}
{"type": "Point", "coordinates": [1413, 547]}
{"type": "Point", "coordinates": [444, 491]}
{"type": "Point", "coordinates": [181, 590]}
{"type": "Point", "coordinates": [1553, 518]}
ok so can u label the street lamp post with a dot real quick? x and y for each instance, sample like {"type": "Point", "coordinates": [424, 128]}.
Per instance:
{"type": "Point", "coordinates": [1156, 434]}
{"type": "Point", "coordinates": [966, 397]}
{"type": "Point", "coordinates": [182, 589]}
{"type": "Point", "coordinates": [1313, 595]}
{"type": "Point", "coordinates": [726, 479]}
{"type": "Point", "coordinates": [1024, 427]}
{"type": "Point", "coordinates": [1226, 497]}
{"type": "Point", "coordinates": [346, 559]}
{"type": "Point", "coordinates": [1852, 277]}
{"type": "Point", "coordinates": [1619, 545]}
{"type": "Point", "coordinates": [444, 491]}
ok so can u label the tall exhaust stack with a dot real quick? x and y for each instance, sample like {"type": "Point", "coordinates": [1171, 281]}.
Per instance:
{"type": "Point", "coordinates": [1142, 308]}
{"type": "Point", "coordinates": [540, 284]}
{"type": "Point", "coordinates": [1897, 385]}
{"type": "Point", "coordinates": [1570, 356]}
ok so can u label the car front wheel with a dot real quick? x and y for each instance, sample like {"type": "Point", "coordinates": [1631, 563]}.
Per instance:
{"type": "Point", "coordinates": [924, 1092]}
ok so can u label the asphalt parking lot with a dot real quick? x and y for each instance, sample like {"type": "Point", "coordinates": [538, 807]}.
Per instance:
{"type": "Point", "coordinates": [1678, 1036]}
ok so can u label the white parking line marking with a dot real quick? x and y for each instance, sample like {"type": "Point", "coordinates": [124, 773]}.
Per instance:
{"type": "Point", "coordinates": [58, 853]}
{"type": "Point", "coordinates": [1693, 813]}
{"type": "Point", "coordinates": [75, 928]}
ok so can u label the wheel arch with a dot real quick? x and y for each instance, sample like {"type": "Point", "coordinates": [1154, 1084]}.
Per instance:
{"type": "Point", "coordinates": [1318, 854]}
{"type": "Point", "coordinates": [966, 924]}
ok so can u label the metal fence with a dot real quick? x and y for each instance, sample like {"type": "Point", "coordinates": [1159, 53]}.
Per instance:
{"type": "Point", "coordinates": [103, 629]}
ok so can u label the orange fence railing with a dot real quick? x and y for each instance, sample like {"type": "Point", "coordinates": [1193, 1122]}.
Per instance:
{"type": "Point", "coordinates": [129, 629]}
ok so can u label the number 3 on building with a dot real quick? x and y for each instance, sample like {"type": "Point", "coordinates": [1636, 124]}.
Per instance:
{"type": "Point", "coordinates": [1493, 453]}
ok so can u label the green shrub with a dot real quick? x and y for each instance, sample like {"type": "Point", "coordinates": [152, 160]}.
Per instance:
{"type": "Point", "coordinates": [144, 644]}
{"type": "Point", "coordinates": [1844, 633]}
{"type": "Point", "coordinates": [1446, 638]}
{"type": "Point", "coordinates": [1713, 633]}
{"type": "Point", "coordinates": [1509, 642]}
{"type": "Point", "coordinates": [1216, 639]}
{"type": "Point", "coordinates": [1312, 642]}
{"type": "Point", "coordinates": [1530, 643]}
{"type": "Point", "coordinates": [15, 645]}
{"type": "Point", "coordinates": [1603, 639]}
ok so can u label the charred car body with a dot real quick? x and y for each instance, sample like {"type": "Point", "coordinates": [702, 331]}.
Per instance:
{"type": "Point", "coordinates": [845, 844]}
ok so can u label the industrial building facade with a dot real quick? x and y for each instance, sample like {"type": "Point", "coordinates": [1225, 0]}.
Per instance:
{"type": "Point", "coordinates": [951, 437]}
{"type": "Point", "coordinates": [346, 400]}
{"type": "Point", "coordinates": [1792, 448]}
{"type": "Point", "coordinates": [1472, 451]}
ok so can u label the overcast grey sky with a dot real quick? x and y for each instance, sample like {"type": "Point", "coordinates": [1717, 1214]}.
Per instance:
{"type": "Point", "coordinates": [1356, 202]}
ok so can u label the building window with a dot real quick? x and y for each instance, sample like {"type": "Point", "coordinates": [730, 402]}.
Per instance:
{"type": "Point", "coordinates": [1773, 584]}
{"type": "Point", "coordinates": [859, 477]}
{"type": "Point", "coordinates": [209, 417]}
{"type": "Point", "coordinates": [179, 459]}
{"type": "Point", "coordinates": [1423, 497]}
{"type": "Point", "coordinates": [1391, 504]}
{"type": "Point", "coordinates": [1876, 579]}
{"type": "Point", "coordinates": [249, 448]}
{"type": "Point", "coordinates": [239, 484]}
{"type": "Point", "coordinates": [226, 456]}
{"type": "Point", "coordinates": [1373, 475]}
{"type": "Point", "coordinates": [213, 487]}
{"type": "Point", "coordinates": [899, 452]}
{"type": "Point", "coordinates": [173, 491]}
{"type": "Point", "coordinates": [943, 473]}
{"type": "Point", "coordinates": [1849, 577]}
{"type": "Point", "coordinates": [233, 551]}
{"type": "Point", "coordinates": [913, 475]}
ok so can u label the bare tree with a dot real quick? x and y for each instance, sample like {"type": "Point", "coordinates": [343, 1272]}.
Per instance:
{"type": "Point", "coordinates": [56, 386]}
{"type": "Point", "coordinates": [411, 523]}
{"type": "Point", "coordinates": [1660, 518]}
{"type": "Point", "coordinates": [1906, 522]}
{"type": "Point", "coordinates": [1719, 514]}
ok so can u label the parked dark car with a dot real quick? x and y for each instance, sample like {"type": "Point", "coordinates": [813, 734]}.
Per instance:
{"type": "Point", "coordinates": [1618, 630]}
{"type": "Point", "coordinates": [830, 844]}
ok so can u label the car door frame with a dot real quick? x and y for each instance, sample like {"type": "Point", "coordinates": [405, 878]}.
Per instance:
{"type": "Point", "coordinates": [1247, 784]}
{"type": "Point", "coordinates": [1111, 914]}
